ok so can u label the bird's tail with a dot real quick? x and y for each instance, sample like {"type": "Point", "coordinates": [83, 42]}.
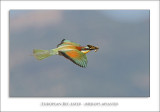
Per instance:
{"type": "Point", "coordinates": [41, 54]}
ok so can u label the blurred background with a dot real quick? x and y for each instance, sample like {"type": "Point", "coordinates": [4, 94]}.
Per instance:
{"type": "Point", "coordinates": [120, 68]}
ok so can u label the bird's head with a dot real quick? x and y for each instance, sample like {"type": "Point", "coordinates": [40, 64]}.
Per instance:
{"type": "Point", "coordinates": [88, 48]}
{"type": "Point", "coordinates": [91, 47]}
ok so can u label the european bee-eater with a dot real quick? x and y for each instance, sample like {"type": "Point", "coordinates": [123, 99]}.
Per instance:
{"type": "Point", "coordinates": [70, 50]}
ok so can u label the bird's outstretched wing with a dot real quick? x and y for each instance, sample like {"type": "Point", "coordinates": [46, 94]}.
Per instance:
{"type": "Point", "coordinates": [67, 42]}
{"type": "Point", "coordinates": [76, 57]}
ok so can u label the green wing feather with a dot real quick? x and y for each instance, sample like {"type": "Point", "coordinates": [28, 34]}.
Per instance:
{"type": "Point", "coordinates": [67, 42]}
{"type": "Point", "coordinates": [76, 57]}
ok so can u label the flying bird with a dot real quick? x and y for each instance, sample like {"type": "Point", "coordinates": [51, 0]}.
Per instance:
{"type": "Point", "coordinates": [70, 50]}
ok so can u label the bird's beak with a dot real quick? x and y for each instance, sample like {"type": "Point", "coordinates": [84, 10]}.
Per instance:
{"type": "Point", "coordinates": [93, 48]}
{"type": "Point", "coordinates": [96, 49]}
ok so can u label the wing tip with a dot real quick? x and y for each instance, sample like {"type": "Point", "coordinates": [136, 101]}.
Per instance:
{"type": "Point", "coordinates": [61, 42]}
